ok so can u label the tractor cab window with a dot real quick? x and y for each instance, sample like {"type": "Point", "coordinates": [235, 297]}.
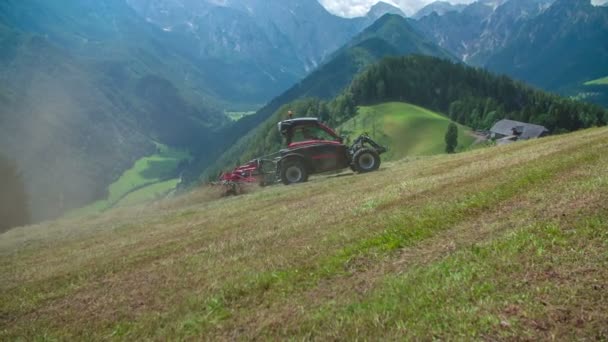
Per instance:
{"type": "Point", "coordinates": [307, 133]}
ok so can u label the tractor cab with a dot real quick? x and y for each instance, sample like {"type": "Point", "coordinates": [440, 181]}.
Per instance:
{"type": "Point", "coordinates": [312, 147]}
{"type": "Point", "coordinates": [307, 131]}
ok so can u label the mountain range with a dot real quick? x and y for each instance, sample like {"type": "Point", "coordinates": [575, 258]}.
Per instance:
{"type": "Point", "coordinates": [560, 49]}
{"type": "Point", "coordinates": [438, 7]}
{"type": "Point", "coordinates": [556, 45]}
{"type": "Point", "coordinates": [255, 49]}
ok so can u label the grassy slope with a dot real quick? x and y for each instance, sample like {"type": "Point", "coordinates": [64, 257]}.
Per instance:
{"type": "Point", "coordinates": [407, 130]}
{"type": "Point", "coordinates": [495, 243]}
{"type": "Point", "coordinates": [144, 181]}
{"type": "Point", "coordinates": [599, 81]}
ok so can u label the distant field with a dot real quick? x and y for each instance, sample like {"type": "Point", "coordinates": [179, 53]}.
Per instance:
{"type": "Point", "coordinates": [235, 116]}
{"type": "Point", "coordinates": [406, 129]}
{"type": "Point", "coordinates": [599, 81]}
{"type": "Point", "coordinates": [500, 243]}
{"type": "Point", "coordinates": [147, 179]}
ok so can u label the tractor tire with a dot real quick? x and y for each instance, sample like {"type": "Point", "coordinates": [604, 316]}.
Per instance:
{"type": "Point", "coordinates": [293, 171]}
{"type": "Point", "coordinates": [365, 160]}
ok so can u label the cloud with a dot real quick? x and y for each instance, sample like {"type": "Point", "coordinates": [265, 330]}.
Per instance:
{"type": "Point", "coordinates": [358, 8]}
{"type": "Point", "coordinates": [348, 8]}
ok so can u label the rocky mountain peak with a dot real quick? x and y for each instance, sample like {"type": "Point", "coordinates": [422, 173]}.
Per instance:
{"type": "Point", "coordinates": [438, 7]}
{"type": "Point", "coordinates": [381, 8]}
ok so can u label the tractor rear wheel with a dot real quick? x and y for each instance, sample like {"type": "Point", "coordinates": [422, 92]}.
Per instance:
{"type": "Point", "coordinates": [365, 160]}
{"type": "Point", "coordinates": [293, 171]}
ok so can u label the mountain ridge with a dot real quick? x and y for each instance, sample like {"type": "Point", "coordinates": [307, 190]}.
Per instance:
{"type": "Point", "coordinates": [560, 49]}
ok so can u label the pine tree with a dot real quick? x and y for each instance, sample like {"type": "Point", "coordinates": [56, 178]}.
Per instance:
{"type": "Point", "coordinates": [14, 208]}
{"type": "Point", "coordinates": [451, 138]}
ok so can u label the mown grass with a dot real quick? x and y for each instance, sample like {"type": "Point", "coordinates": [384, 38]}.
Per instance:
{"type": "Point", "coordinates": [152, 191]}
{"type": "Point", "coordinates": [512, 287]}
{"type": "Point", "coordinates": [407, 129]}
{"type": "Point", "coordinates": [149, 178]}
{"type": "Point", "coordinates": [498, 243]}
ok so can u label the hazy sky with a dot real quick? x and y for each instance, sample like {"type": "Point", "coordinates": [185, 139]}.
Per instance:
{"type": "Point", "coordinates": [355, 8]}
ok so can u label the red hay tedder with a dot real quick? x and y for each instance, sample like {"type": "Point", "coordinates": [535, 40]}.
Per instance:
{"type": "Point", "coordinates": [312, 147]}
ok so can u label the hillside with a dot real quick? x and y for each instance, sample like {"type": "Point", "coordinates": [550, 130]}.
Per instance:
{"type": "Point", "coordinates": [472, 97]}
{"type": "Point", "coordinates": [499, 243]}
{"type": "Point", "coordinates": [85, 89]}
{"type": "Point", "coordinates": [406, 129]}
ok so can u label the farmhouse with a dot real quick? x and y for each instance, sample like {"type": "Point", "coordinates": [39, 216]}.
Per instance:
{"type": "Point", "coordinates": [505, 131]}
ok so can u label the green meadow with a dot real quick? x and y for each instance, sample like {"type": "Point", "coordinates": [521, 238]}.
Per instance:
{"type": "Point", "coordinates": [407, 130]}
{"type": "Point", "coordinates": [599, 81]}
{"type": "Point", "coordinates": [149, 178]}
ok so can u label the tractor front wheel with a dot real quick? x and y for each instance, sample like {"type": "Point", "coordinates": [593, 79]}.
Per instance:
{"type": "Point", "coordinates": [293, 171]}
{"type": "Point", "coordinates": [365, 160]}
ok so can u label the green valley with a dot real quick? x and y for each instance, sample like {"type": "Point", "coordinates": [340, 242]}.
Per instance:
{"type": "Point", "coordinates": [150, 177]}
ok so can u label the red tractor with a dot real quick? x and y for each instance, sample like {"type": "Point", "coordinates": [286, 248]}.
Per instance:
{"type": "Point", "coordinates": [312, 147]}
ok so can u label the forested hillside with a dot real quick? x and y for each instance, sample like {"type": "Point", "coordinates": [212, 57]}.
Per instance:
{"type": "Point", "coordinates": [85, 89]}
{"type": "Point", "coordinates": [470, 96]}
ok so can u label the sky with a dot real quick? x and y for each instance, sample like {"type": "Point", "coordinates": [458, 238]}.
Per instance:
{"type": "Point", "coordinates": [357, 8]}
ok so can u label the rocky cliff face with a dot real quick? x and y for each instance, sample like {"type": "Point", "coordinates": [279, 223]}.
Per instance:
{"type": "Point", "coordinates": [481, 28]}
{"type": "Point", "coordinates": [273, 43]}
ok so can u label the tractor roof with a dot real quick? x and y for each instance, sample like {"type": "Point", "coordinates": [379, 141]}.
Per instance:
{"type": "Point", "coordinates": [291, 123]}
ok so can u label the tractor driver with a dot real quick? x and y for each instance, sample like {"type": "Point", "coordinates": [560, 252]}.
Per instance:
{"type": "Point", "coordinates": [307, 134]}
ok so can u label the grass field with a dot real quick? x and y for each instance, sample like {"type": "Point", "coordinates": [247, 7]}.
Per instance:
{"type": "Point", "coordinates": [406, 129]}
{"type": "Point", "coordinates": [501, 243]}
{"type": "Point", "coordinates": [599, 81]}
{"type": "Point", "coordinates": [236, 116]}
{"type": "Point", "coordinates": [146, 180]}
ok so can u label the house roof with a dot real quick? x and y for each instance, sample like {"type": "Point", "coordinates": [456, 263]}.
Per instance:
{"type": "Point", "coordinates": [527, 130]}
